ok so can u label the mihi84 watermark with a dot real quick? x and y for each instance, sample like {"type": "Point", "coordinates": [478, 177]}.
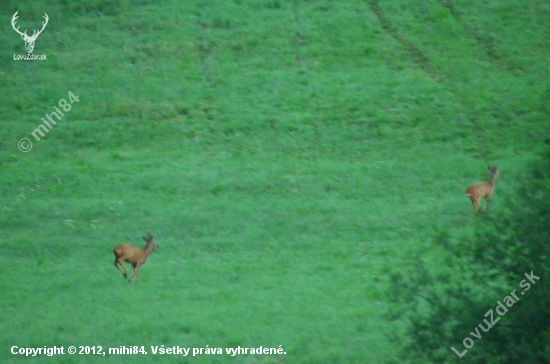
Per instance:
{"type": "Point", "coordinates": [48, 121]}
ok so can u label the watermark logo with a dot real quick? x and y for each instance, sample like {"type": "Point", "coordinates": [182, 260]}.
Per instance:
{"type": "Point", "coordinates": [25, 144]}
{"type": "Point", "coordinates": [29, 40]}
{"type": "Point", "coordinates": [501, 309]}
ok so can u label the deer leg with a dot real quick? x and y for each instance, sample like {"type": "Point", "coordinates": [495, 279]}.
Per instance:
{"type": "Point", "coordinates": [487, 206]}
{"type": "Point", "coordinates": [475, 205]}
{"type": "Point", "coordinates": [119, 264]}
{"type": "Point", "coordinates": [137, 276]}
{"type": "Point", "coordinates": [131, 280]}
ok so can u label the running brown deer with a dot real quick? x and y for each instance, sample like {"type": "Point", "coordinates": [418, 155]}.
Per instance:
{"type": "Point", "coordinates": [133, 255]}
{"type": "Point", "coordinates": [484, 190]}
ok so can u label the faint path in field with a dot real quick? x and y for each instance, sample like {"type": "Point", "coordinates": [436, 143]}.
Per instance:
{"type": "Point", "coordinates": [204, 51]}
{"type": "Point", "coordinates": [414, 53]}
{"type": "Point", "coordinates": [420, 59]}
{"type": "Point", "coordinates": [298, 37]}
{"type": "Point", "coordinates": [204, 47]}
{"type": "Point", "coordinates": [485, 41]}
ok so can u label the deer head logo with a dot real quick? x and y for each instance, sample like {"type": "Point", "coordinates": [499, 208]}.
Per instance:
{"type": "Point", "coordinates": [29, 41]}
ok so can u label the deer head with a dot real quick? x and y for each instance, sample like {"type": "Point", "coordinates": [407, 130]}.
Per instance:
{"type": "Point", "coordinates": [150, 242]}
{"type": "Point", "coordinates": [29, 41]}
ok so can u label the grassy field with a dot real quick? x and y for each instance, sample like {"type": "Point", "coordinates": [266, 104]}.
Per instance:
{"type": "Point", "coordinates": [286, 155]}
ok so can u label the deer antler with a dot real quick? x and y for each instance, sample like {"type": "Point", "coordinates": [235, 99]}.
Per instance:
{"type": "Point", "coordinates": [43, 26]}
{"type": "Point", "coordinates": [13, 19]}
{"type": "Point", "coordinates": [29, 41]}
{"type": "Point", "coordinates": [24, 34]}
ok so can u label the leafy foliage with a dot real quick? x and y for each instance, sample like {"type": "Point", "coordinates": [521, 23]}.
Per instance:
{"type": "Point", "coordinates": [445, 304]}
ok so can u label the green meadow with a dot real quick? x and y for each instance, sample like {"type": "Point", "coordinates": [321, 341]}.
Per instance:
{"type": "Point", "coordinates": [287, 156]}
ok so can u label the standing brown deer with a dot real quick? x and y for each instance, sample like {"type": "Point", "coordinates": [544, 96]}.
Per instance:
{"type": "Point", "coordinates": [484, 190]}
{"type": "Point", "coordinates": [133, 255]}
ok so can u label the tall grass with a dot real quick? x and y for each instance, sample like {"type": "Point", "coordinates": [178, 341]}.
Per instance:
{"type": "Point", "coordinates": [284, 154]}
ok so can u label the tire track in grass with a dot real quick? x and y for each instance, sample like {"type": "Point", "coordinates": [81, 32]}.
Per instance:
{"type": "Point", "coordinates": [502, 65]}
{"type": "Point", "coordinates": [299, 38]}
{"type": "Point", "coordinates": [300, 42]}
{"type": "Point", "coordinates": [423, 62]}
{"type": "Point", "coordinates": [484, 40]}
{"type": "Point", "coordinates": [204, 51]}
{"type": "Point", "coordinates": [204, 47]}
{"type": "Point", "coordinates": [414, 53]}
